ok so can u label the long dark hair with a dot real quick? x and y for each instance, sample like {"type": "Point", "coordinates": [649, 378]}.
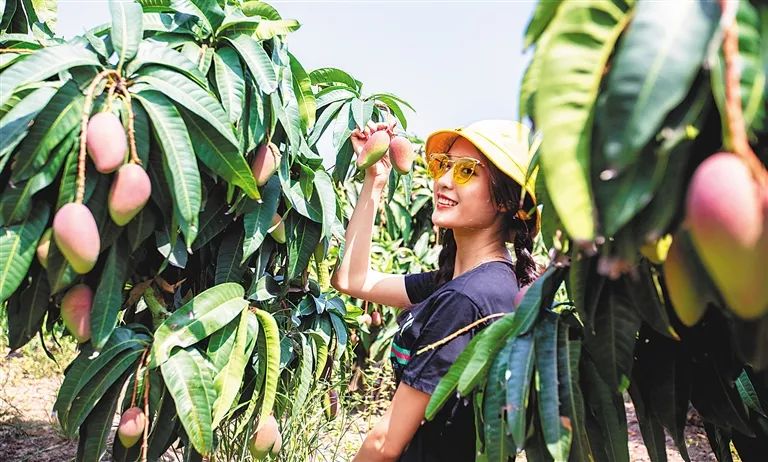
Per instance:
{"type": "Point", "coordinates": [505, 192]}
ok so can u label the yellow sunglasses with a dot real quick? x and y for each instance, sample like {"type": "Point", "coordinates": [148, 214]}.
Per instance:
{"type": "Point", "coordinates": [463, 167]}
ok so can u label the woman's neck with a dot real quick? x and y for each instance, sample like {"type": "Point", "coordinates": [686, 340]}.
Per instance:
{"type": "Point", "coordinates": [477, 247]}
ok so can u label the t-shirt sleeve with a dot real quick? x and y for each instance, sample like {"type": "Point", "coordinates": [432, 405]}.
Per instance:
{"type": "Point", "coordinates": [453, 311]}
{"type": "Point", "coordinates": [419, 286]}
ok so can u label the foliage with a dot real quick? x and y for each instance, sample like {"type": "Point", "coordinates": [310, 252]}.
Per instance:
{"type": "Point", "coordinates": [202, 316]}
{"type": "Point", "coordinates": [629, 104]}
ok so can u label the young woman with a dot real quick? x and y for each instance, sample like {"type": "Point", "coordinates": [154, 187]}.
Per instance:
{"type": "Point", "coordinates": [478, 173]}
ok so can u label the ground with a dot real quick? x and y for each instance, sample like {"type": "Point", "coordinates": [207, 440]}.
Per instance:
{"type": "Point", "coordinates": [29, 431]}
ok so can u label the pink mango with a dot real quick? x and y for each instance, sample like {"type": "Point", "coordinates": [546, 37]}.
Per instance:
{"type": "Point", "coordinates": [77, 236]}
{"type": "Point", "coordinates": [106, 142]}
{"type": "Point", "coordinates": [129, 193]}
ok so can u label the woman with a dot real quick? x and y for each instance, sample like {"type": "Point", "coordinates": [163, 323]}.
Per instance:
{"type": "Point", "coordinates": [478, 172]}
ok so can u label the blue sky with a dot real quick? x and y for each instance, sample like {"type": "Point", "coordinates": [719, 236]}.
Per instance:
{"type": "Point", "coordinates": [454, 61]}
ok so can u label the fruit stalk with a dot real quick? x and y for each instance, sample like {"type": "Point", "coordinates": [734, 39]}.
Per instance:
{"type": "Point", "coordinates": [733, 110]}
{"type": "Point", "coordinates": [87, 106]}
{"type": "Point", "coordinates": [136, 378]}
{"type": "Point", "coordinates": [126, 97]}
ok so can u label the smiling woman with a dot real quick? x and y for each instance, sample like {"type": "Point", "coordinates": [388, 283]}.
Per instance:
{"type": "Point", "coordinates": [479, 178]}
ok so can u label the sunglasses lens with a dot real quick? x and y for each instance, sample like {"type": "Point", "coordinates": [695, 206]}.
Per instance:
{"type": "Point", "coordinates": [463, 171]}
{"type": "Point", "coordinates": [436, 166]}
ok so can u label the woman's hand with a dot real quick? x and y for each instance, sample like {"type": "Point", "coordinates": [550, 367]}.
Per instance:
{"type": "Point", "coordinates": [379, 171]}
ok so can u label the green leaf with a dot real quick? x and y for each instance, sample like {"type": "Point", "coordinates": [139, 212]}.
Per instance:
{"type": "Point", "coordinates": [140, 228]}
{"type": "Point", "coordinates": [494, 401]}
{"type": "Point", "coordinates": [327, 195]}
{"type": "Point", "coordinates": [340, 331]}
{"type": "Point", "coordinates": [302, 88]}
{"type": "Point", "coordinates": [187, 93]}
{"type": "Point", "coordinates": [573, 64]}
{"type": "Point", "coordinates": [60, 273]}
{"type": "Point", "coordinates": [230, 81]}
{"type": "Point", "coordinates": [569, 392]}
{"type": "Point", "coordinates": [228, 260]}
{"type": "Point", "coordinates": [61, 115]}
{"type": "Point", "coordinates": [92, 441]}
{"type": "Point", "coordinates": [746, 390]}
{"type": "Point", "coordinates": [258, 61]}
{"type": "Point", "coordinates": [156, 6]}
{"type": "Point", "coordinates": [644, 296]}
{"type": "Point", "coordinates": [126, 29]}
{"type": "Point", "coordinates": [263, 9]}
{"type": "Point", "coordinates": [332, 76]}
{"type": "Point", "coordinates": [304, 235]}
{"type": "Point", "coordinates": [394, 105]}
{"type": "Point", "coordinates": [42, 64]}
{"type": "Point", "coordinates": [14, 125]}
{"type": "Point", "coordinates": [257, 28]}
{"type": "Point", "coordinates": [25, 316]}
{"type": "Point", "coordinates": [611, 343]}
{"type": "Point", "coordinates": [179, 162]}
{"type": "Point", "coordinates": [332, 94]}
{"type": "Point", "coordinates": [556, 435]}
{"type": "Point", "coordinates": [17, 249]}
{"type": "Point", "coordinates": [108, 298]}
{"type": "Point", "coordinates": [542, 16]}
{"type": "Point", "coordinates": [361, 112]}
{"type": "Point", "coordinates": [518, 385]}
{"type": "Point", "coordinates": [269, 359]}
{"type": "Point", "coordinates": [258, 218]}
{"type": "Point", "coordinates": [159, 54]}
{"type": "Point", "coordinates": [188, 377]}
{"type": "Point", "coordinates": [326, 117]}
{"type": "Point", "coordinates": [16, 200]}
{"type": "Point", "coordinates": [447, 386]}
{"type": "Point", "coordinates": [492, 341]}
{"type": "Point", "coordinates": [221, 156]}
{"type": "Point", "coordinates": [228, 380]}
{"type": "Point", "coordinates": [304, 378]}
{"type": "Point", "coordinates": [206, 313]}
{"type": "Point", "coordinates": [86, 400]}
{"type": "Point", "coordinates": [605, 410]}
{"type": "Point", "coordinates": [653, 70]}
{"type": "Point", "coordinates": [650, 427]}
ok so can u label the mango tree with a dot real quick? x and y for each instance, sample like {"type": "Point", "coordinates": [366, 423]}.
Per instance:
{"type": "Point", "coordinates": [163, 195]}
{"type": "Point", "coordinates": [654, 133]}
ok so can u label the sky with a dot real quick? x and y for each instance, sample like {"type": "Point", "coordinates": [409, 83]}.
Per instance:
{"type": "Point", "coordinates": [455, 61]}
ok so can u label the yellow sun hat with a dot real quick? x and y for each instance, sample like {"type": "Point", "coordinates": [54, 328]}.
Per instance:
{"type": "Point", "coordinates": [506, 143]}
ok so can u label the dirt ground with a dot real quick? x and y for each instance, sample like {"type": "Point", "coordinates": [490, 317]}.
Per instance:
{"type": "Point", "coordinates": [29, 431]}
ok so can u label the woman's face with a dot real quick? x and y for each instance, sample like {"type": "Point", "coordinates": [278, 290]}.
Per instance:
{"type": "Point", "coordinates": [465, 206]}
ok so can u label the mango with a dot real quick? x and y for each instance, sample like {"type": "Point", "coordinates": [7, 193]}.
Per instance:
{"type": "Point", "coordinates": [129, 193]}
{"type": "Point", "coordinates": [266, 440]}
{"type": "Point", "coordinates": [77, 236]}
{"type": "Point", "coordinates": [656, 251]}
{"type": "Point", "coordinates": [331, 404]}
{"type": "Point", "coordinates": [131, 426]}
{"type": "Point", "coordinates": [373, 149]}
{"type": "Point", "coordinates": [277, 230]}
{"type": "Point", "coordinates": [401, 154]}
{"type": "Point", "coordinates": [106, 142]}
{"type": "Point", "coordinates": [376, 319]}
{"type": "Point", "coordinates": [43, 245]}
{"type": "Point", "coordinates": [725, 216]}
{"type": "Point", "coordinates": [76, 311]}
{"type": "Point", "coordinates": [687, 282]}
{"type": "Point", "coordinates": [266, 163]}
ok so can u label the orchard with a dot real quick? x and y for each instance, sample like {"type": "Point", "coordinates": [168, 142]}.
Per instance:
{"type": "Point", "coordinates": [165, 203]}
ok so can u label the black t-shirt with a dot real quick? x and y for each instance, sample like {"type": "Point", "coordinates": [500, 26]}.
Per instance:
{"type": "Point", "coordinates": [437, 313]}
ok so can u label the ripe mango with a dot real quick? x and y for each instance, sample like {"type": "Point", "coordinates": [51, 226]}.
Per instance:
{"type": "Point", "coordinates": [373, 149]}
{"type": "Point", "coordinates": [687, 281]}
{"type": "Point", "coordinates": [277, 230]}
{"type": "Point", "coordinates": [77, 236]}
{"type": "Point", "coordinates": [376, 319]}
{"type": "Point", "coordinates": [131, 426]}
{"type": "Point", "coordinates": [725, 215]}
{"type": "Point", "coordinates": [106, 142]}
{"type": "Point", "coordinates": [129, 193]}
{"type": "Point", "coordinates": [43, 246]}
{"type": "Point", "coordinates": [266, 440]}
{"type": "Point", "coordinates": [76, 311]}
{"type": "Point", "coordinates": [401, 154]}
{"type": "Point", "coordinates": [266, 163]}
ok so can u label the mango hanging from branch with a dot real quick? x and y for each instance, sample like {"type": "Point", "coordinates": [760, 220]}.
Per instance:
{"type": "Point", "coordinates": [106, 142]}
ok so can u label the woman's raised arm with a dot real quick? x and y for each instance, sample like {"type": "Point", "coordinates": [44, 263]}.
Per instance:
{"type": "Point", "coordinates": [354, 275]}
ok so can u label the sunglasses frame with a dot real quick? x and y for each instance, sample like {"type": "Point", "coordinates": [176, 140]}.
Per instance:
{"type": "Point", "coordinates": [451, 162]}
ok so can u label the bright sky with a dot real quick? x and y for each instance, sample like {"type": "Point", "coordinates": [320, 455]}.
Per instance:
{"type": "Point", "coordinates": [454, 61]}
